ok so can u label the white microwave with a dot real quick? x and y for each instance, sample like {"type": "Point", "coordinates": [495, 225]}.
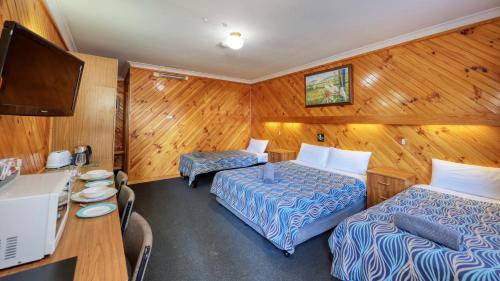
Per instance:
{"type": "Point", "coordinates": [30, 224]}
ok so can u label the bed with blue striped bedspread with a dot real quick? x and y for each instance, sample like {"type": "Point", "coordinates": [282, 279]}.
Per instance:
{"type": "Point", "coordinates": [196, 163]}
{"type": "Point", "coordinates": [301, 196]}
{"type": "Point", "coordinates": [367, 246]}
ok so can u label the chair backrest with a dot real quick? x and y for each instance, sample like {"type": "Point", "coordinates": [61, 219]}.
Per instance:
{"type": "Point", "coordinates": [121, 180]}
{"type": "Point", "coordinates": [138, 241]}
{"type": "Point", "coordinates": [126, 200]}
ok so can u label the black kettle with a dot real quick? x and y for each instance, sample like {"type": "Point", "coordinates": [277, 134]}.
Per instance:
{"type": "Point", "coordinates": [85, 149]}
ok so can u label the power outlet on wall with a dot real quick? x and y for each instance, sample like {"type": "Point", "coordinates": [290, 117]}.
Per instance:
{"type": "Point", "coordinates": [320, 137]}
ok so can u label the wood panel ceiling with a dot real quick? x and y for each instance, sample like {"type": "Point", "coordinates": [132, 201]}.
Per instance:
{"type": "Point", "coordinates": [168, 117]}
{"type": "Point", "coordinates": [452, 78]}
{"type": "Point", "coordinates": [27, 137]}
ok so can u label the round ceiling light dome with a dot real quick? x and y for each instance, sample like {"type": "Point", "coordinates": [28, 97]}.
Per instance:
{"type": "Point", "coordinates": [234, 41]}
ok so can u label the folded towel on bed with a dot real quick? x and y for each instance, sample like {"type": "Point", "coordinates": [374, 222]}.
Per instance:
{"type": "Point", "coordinates": [429, 230]}
{"type": "Point", "coordinates": [268, 174]}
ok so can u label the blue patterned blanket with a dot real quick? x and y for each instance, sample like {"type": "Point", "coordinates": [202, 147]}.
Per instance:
{"type": "Point", "coordinates": [301, 196]}
{"type": "Point", "coordinates": [367, 246]}
{"type": "Point", "coordinates": [196, 163]}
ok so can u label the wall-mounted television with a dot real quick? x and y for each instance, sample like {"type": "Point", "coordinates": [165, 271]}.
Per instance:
{"type": "Point", "coordinates": [37, 77]}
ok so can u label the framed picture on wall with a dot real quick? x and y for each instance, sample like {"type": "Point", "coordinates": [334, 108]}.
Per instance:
{"type": "Point", "coordinates": [329, 87]}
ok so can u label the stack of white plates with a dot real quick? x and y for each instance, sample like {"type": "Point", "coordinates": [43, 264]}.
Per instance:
{"type": "Point", "coordinates": [98, 183]}
{"type": "Point", "coordinates": [96, 175]}
{"type": "Point", "coordinates": [94, 194]}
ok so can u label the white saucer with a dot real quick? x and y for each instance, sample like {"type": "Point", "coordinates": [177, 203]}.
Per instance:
{"type": "Point", "coordinates": [78, 196]}
{"type": "Point", "coordinates": [94, 192]}
{"type": "Point", "coordinates": [96, 210]}
{"type": "Point", "coordinates": [98, 183]}
{"type": "Point", "coordinates": [96, 172]}
{"type": "Point", "coordinates": [89, 176]}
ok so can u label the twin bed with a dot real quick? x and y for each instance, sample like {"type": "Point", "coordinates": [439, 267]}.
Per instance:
{"type": "Point", "coordinates": [368, 246]}
{"type": "Point", "coordinates": [196, 163]}
{"type": "Point", "coordinates": [308, 197]}
{"type": "Point", "coordinates": [303, 203]}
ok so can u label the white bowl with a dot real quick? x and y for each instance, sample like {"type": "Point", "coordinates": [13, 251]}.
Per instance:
{"type": "Point", "coordinates": [94, 192]}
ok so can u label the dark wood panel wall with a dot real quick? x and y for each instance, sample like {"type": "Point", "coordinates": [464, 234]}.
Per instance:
{"type": "Point", "coordinates": [120, 126]}
{"type": "Point", "coordinates": [168, 117]}
{"type": "Point", "coordinates": [27, 137]}
{"type": "Point", "coordinates": [455, 74]}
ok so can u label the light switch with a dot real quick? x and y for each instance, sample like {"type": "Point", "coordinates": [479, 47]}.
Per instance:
{"type": "Point", "coordinates": [320, 137]}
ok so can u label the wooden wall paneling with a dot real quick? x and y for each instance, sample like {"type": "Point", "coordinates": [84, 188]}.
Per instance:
{"type": "Point", "coordinates": [126, 96]}
{"type": "Point", "coordinates": [27, 137]}
{"type": "Point", "coordinates": [424, 91]}
{"type": "Point", "coordinates": [120, 126]}
{"type": "Point", "coordinates": [94, 120]}
{"type": "Point", "coordinates": [405, 80]}
{"type": "Point", "coordinates": [471, 144]}
{"type": "Point", "coordinates": [120, 117]}
{"type": "Point", "coordinates": [208, 115]}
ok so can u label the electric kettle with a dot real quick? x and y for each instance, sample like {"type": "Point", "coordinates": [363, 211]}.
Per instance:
{"type": "Point", "coordinates": [85, 149]}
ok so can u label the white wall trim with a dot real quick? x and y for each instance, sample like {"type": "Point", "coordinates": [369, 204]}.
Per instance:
{"type": "Point", "coordinates": [442, 27]}
{"type": "Point", "coordinates": [61, 23]}
{"type": "Point", "coordinates": [187, 72]}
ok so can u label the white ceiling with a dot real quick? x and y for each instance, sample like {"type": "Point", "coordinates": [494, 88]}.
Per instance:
{"type": "Point", "coordinates": [279, 34]}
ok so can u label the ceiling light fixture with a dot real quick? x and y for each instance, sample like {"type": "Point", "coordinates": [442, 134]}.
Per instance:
{"type": "Point", "coordinates": [234, 41]}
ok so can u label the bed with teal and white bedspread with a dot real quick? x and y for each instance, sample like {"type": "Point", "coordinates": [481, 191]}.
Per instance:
{"type": "Point", "coordinates": [367, 246]}
{"type": "Point", "coordinates": [301, 196]}
{"type": "Point", "coordinates": [196, 163]}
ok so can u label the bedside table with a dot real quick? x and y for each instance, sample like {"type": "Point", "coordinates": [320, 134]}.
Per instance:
{"type": "Point", "coordinates": [278, 155]}
{"type": "Point", "coordinates": [383, 183]}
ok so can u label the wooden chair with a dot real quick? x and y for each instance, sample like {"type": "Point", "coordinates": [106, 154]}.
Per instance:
{"type": "Point", "coordinates": [120, 181]}
{"type": "Point", "coordinates": [126, 200]}
{"type": "Point", "coordinates": [138, 241]}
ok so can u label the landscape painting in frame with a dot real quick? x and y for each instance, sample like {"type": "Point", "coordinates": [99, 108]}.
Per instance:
{"type": "Point", "coordinates": [329, 87]}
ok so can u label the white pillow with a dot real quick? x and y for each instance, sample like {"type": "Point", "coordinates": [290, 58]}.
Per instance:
{"type": "Point", "coordinates": [470, 179]}
{"type": "Point", "coordinates": [348, 160]}
{"type": "Point", "coordinates": [313, 154]}
{"type": "Point", "coordinates": [257, 146]}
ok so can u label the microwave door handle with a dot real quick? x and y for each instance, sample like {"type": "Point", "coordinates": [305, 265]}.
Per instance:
{"type": "Point", "coordinates": [64, 219]}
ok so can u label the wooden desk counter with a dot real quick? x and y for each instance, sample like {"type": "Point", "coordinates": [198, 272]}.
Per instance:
{"type": "Point", "coordinates": [97, 242]}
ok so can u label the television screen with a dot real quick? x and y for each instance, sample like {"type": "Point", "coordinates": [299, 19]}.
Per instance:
{"type": "Point", "coordinates": [37, 77]}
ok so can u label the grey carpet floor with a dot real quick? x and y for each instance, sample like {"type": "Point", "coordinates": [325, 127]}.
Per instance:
{"type": "Point", "coordinates": [195, 238]}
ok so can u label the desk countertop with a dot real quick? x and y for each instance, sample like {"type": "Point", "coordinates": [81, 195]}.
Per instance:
{"type": "Point", "coordinates": [96, 242]}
